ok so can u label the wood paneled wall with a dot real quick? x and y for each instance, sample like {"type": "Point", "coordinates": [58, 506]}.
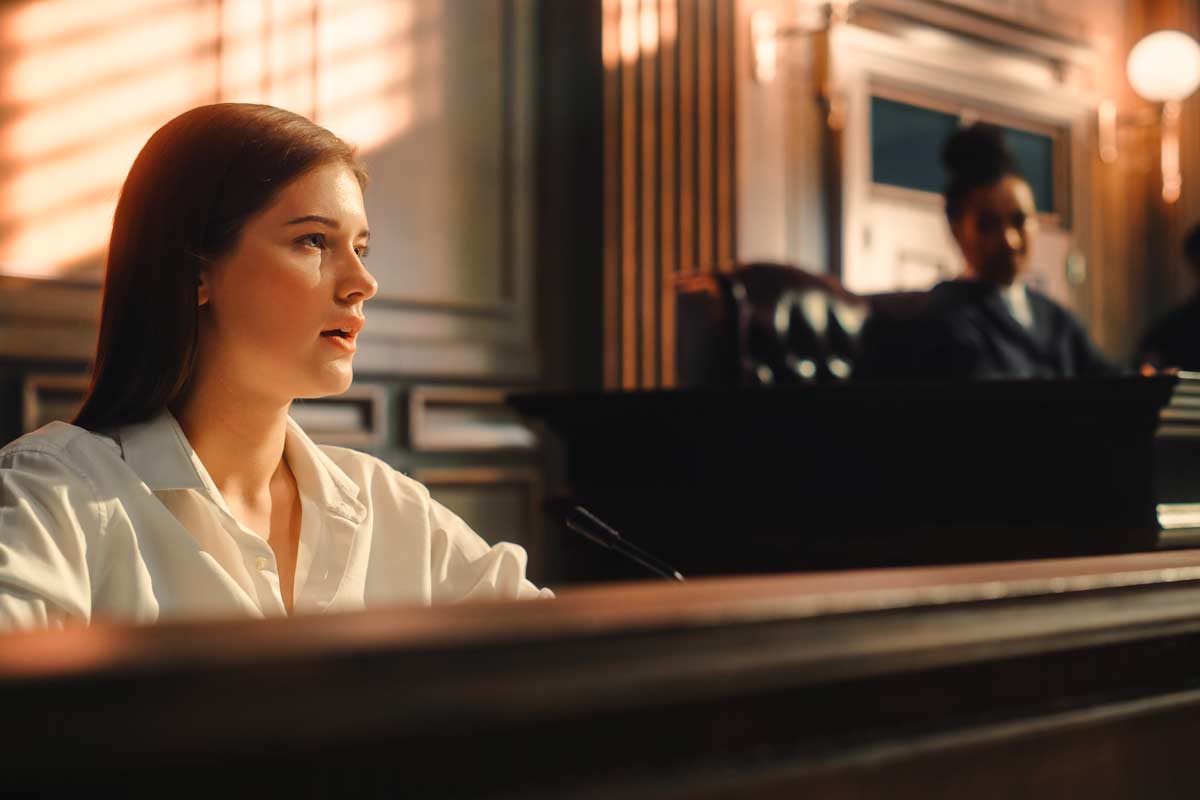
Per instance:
{"type": "Point", "coordinates": [1138, 236]}
{"type": "Point", "coordinates": [669, 184]}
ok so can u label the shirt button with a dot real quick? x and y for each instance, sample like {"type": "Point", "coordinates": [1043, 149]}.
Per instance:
{"type": "Point", "coordinates": [260, 563]}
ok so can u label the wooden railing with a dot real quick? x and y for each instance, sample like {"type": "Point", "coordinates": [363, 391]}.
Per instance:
{"type": "Point", "coordinates": [1060, 678]}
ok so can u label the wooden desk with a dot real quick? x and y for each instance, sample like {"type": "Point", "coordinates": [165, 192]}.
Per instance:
{"type": "Point", "coordinates": [859, 475]}
{"type": "Point", "coordinates": [1063, 678]}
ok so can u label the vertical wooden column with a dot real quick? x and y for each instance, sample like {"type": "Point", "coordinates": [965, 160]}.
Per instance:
{"type": "Point", "coordinates": [669, 201]}
{"type": "Point", "coordinates": [669, 212]}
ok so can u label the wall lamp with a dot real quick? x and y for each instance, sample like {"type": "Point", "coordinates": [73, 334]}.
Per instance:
{"type": "Point", "coordinates": [1163, 67]}
{"type": "Point", "coordinates": [766, 33]}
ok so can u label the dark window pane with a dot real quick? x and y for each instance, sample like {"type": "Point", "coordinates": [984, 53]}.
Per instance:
{"type": "Point", "coordinates": [906, 145]}
{"type": "Point", "coordinates": [1035, 156]}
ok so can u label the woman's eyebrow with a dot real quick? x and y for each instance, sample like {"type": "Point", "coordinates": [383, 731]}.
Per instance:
{"type": "Point", "coordinates": [332, 223]}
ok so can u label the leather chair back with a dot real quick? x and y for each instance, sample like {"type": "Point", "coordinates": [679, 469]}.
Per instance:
{"type": "Point", "coordinates": [766, 324]}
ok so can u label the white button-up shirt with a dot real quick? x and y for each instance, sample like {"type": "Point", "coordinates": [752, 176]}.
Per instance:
{"type": "Point", "coordinates": [1016, 300]}
{"type": "Point", "coordinates": [129, 526]}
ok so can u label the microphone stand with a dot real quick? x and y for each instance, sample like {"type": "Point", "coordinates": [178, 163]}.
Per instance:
{"type": "Point", "coordinates": [588, 525]}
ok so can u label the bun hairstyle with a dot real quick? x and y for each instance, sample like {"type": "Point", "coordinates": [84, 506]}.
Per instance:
{"type": "Point", "coordinates": [975, 157]}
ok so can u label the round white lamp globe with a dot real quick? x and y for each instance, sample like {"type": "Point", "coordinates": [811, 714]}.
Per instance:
{"type": "Point", "coordinates": [1164, 66]}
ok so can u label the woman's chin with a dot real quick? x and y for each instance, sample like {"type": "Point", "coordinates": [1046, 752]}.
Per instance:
{"type": "Point", "coordinates": [331, 382]}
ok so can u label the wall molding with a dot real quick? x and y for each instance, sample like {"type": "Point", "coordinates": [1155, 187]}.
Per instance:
{"type": "Point", "coordinates": [355, 418]}
{"type": "Point", "coordinates": [465, 419]}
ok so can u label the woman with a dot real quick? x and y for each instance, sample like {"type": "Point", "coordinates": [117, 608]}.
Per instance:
{"type": "Point", "coordinates": [988, 323]}
{"type": "Point", "coordinates": [234, 283]}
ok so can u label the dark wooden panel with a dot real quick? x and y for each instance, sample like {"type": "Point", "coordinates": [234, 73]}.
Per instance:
{"type": "Point", "coordinates": [1070, 678]}
{"type": "Point", "coordinates": [861, 475]}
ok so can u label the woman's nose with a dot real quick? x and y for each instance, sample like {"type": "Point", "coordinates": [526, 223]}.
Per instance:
{"type": "Point", "coordinates": [358, 285]}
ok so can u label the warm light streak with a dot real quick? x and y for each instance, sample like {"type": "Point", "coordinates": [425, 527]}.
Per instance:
{"type": "Point", "coordinates": [83, 84]}
{"type": "Point", "coordinates": [347, 27]}
{"type": "Point", "coordinates": [46, 73]}
{"type": "Point", "coordinates": [64, 239]}
{"type": "Point", "coordinates": [290, 58]}
{"type": "Point", "coordinates": [1171, 176]}
{"type": "Point", "coordinates": [629, 31]}
{"type": "Point", "coordinates": [362, 76]}
{"type": "Point", "coordinates": [763, 28]}
{"type": "Point", "coordinates": [37, 188]}
{"type": "Point", "coordinates": [611, 34]}
{"type": "Point", "coordinates": [669, 21]}
{"type": "Point", "coordinates": [242, 53]}
{"type": "Point", "coordinates": [648, 28]}
{"type": "Point", "coordinates": [36, 23]}
{"type": "Point", "coordinates": [366, 63]}
{"type": "Point", "coordinates": [1107, 129]}
{"type": "Point", "coordinates": [157, 94]}
{"type": "Point", "coordinates": [371, 125]}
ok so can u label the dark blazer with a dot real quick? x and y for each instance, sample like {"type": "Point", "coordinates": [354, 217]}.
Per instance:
{"type": "Point", "coordinates": [1174, 341]}
{"type": "Point", "coordinates": [966, 331]}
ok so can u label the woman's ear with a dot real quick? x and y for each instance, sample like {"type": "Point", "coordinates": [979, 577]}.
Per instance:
{"type": "Point", "coordinates": [202, 289]}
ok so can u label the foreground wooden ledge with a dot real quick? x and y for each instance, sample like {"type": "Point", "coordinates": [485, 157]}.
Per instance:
{"type": "Point", "coordinates": [1048, 678]}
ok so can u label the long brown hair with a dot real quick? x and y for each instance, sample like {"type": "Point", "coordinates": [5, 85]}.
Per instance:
{"type": "Point", "coordinates": [188, 195]}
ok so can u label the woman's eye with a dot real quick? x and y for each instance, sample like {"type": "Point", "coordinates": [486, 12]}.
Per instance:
{"type": "Point", "coordinates": [314, 240]}
{"type": "Point", "coordinates": [363, 251]}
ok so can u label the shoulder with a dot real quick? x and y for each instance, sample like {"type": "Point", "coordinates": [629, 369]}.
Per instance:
{"type": "Point", "coordinates": [1053, 309]}
{"type": "Point", "coordinates": [1044, 300]}
{"type": "Point", "coordinates": [951, 300]}
{"type": "Point", "coordinates": [73, 448]}
{"type": "Point", "coordinates": [955, 292]}
{"type": "Point", "coordinates": [953, 310]}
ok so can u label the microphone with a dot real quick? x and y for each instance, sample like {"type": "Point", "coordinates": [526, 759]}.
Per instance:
{"type": "Point", "coordinates": [588, 525]}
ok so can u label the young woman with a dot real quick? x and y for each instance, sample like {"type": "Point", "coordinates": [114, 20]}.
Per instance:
{"type": "Point", "coordinates": [235, 283]}
{"type": "Point", "coordinates": [988, 323]}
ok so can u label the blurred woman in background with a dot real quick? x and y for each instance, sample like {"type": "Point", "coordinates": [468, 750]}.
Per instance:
{"type": "Point", "coordinates": [988, 323]}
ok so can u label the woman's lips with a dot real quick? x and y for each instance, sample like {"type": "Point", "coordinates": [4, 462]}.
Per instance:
{"type": "Point", "coordinates": [342, 341]}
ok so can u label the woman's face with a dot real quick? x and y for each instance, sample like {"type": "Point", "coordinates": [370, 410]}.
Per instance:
{"type": "Point", "coordinates": [995, 229]}
{"type": "Point", "coordinates": [282, 311]}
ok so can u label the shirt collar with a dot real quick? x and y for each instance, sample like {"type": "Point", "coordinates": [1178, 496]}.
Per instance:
{"type": "Point", "coordinates": [1014, 292]}
{"type": "Point", "coordinates": [319, 478]}
{"type": "Point", "coordinates": [1016, 300]}
{"type": "Point", "coordinates": [159, 452]}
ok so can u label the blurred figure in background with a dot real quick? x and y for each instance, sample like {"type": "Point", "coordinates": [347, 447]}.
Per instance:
{"type": "Point", "coordinates": [988, 323]}
{"type": "Point", "coordinates": [1174, 341]}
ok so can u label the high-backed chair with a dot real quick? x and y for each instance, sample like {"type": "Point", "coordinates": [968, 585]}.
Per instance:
{"type": "Point", "coordinates": [766, 324]}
